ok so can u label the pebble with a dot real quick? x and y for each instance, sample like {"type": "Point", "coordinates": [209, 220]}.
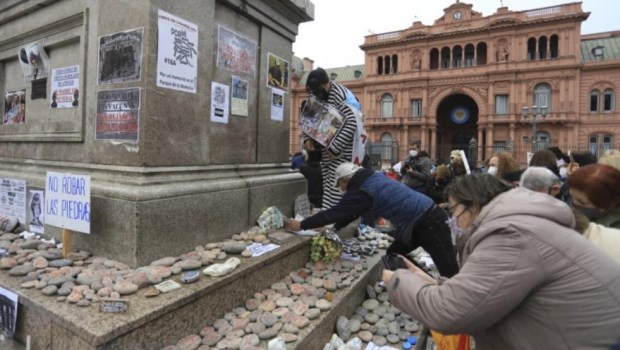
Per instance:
{"type": "Point", "coordinates": [288, 337]}
{"type": "Point", "coordinates": [28, 284]}
{"type": "Point", "coordinates": [21, 270]}
{"type": "Point", "coordinates": [365, 336]}
{"type": "Point", "coordinates": [249, 340]}
{"type": "Point", "coordinates": [234, 248]}
{"type": "Point", "coordinates": [267, 306]}
{"type": "Point", "coordinates": [125, 288]}
{"type": "Point", "coordinates": [252, 304]}
{"type": "Point", "coordinates": [370, 304]}
{"type": "Point", "coordinates": [284, 302]}
{"type": "Point", "coordinates": [379, 340]}
{"type": "Point", "coordinates": [371, 318]}
{"type": "Point", "coordinates": [83, 302]}
{"type": "Point", "coordinates": [8, 263]}
{"type": "Point", "coordinates": [210, 338]}
{"type": "Point", "coordinates": [49, 290]}
{"type": "Point", "coordinates": [268, 319]}
{"type": "Point", "coordinates": [75, 296]}
{"type": "Point", "coordinates": [289, 328]}
{"type": "Point", "coordinates": [343, 327]}
{"type": "Point", "coordinates": [330, 285]}
{"type": "Point", "coordinates": [323, 305]}
{"type": "Point", "coordinates": [281, 311]}
{"type": "Point", "coordinates": [313, 313]}
{"type": "Point", "coordinates": [412, 327]}
{"type": "Point", "coordinates": [267, 334]}
{"type": "Point", "coordinates": [300, 321]}
{"type": "Point", "coordinates": [190, 264]}
{"type": "Point", "coordinates": [167, 261]}
{"type": "Point", "coordinates": [60, 263]}
{"type": "Point", "coordinates": [190, 342]}
{"type": "Point", "coordinates": [393, 338]}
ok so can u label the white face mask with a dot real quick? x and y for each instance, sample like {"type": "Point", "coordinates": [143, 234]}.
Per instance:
{"type": "Point", "coordinates": [413, 153]}
{"type": "Point", "coordinates": [492, 170]}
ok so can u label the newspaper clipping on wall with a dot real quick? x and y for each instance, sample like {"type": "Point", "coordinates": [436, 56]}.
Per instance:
{"type": "Point", "coordinates": [118, 115]}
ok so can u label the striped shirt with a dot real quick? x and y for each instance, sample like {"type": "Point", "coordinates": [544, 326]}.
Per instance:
{"type": "Point", "coordinates": [340, 149]}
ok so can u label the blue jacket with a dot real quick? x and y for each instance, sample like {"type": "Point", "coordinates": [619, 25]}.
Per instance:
{"type": "Point", "coordinates": [373, 195]}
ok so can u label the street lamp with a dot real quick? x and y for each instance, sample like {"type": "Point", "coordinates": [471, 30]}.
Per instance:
{"type": "Point", "coordinates": [536, 112]}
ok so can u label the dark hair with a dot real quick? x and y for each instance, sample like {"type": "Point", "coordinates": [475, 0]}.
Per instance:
{"type": "Point", "coordinates": [422, 154]}
{"type": "Point", "coordinates": [547, 159]}
{"type": "Point", "coordinates": [513, 176]}
{"type": "Point", "coordinates": [557, 152]}
{"type": "Point", "coordinates": [316, 79]}
{"type": "Point", "coordinates": [476, 189]}
{"type": "Point", "coordinates": [600, 183]}
{"type": "Point", "coordinates": [584, 158]}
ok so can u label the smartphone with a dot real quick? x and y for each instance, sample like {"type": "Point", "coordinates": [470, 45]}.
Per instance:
{"type": "Point", "coordinates": [393, 262]}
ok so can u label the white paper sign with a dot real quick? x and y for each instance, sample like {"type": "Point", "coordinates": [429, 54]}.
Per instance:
{"type": "Point", "coordinates": [258, 249]}
{"type": "Point", "coordinates": [277, 105]}
{"type": "Point", "coordinates": [219, 102]}
{"type": "Point", "coordinates": [239, 99]}
{"type": "Point", "coordinates": [65, 83]}
{"type": "Point", "coordinates": [8, 312]}
{"type": "Point", "coordinates": [177, 53]}
{"type": "Point", "coordinates": [67, 201]}
{"type": "Point", "coordinates": [13, 198]}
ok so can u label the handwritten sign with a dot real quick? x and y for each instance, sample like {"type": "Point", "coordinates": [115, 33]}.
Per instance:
{"type": "Point", "coordinates": [67, 201]}
{"type": "Point", "coordinates": [177, 53]}
{"type": "Point", "coordinates": [114, 306]}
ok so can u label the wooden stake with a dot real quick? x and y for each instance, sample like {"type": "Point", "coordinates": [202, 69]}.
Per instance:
{"type": "Point", "coordinates": [66, 242]}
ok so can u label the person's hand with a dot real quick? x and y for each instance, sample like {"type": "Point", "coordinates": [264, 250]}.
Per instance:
{"type": "Point", "coordinates": [443, 205]}
{"type": "Point", "coordinates": [387, 277]}
{"type": "Point", "coordinates": [309, 145]}
{"type": "Point", "coordinates": [571, 167]}
{"type": "Point", "coordinates": [417, 271]}
{"type": "Point", "coordinates": [293, 225]}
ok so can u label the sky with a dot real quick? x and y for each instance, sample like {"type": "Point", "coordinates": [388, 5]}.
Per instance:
{"type": "Point", "coordinates": [333, 38]}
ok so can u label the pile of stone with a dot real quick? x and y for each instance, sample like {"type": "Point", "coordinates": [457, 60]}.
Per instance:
{"type": "Point", "coordinates": [281, 311]}
{"type": "Point", "coordinates": [82, 279]}
{"type": "Point", "coordinates": [375, 320]}
{"type": "Point", "coordinates": [367, 243]}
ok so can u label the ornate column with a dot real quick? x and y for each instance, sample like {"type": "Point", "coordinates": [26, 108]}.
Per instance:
{"type": "Point", "coordinates": [490, 136]}
{"type": "Point", "coordinates": [433, 142]}
{"type": "Point", "coordinates": [512, 132]}
{"type": "Point", "coordinates": [481, 146]}
{"type": "Point", "coordinates": [424, 144]}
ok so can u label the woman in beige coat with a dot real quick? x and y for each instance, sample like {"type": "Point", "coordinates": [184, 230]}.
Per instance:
{"type": "Point", "coordinates": [527, 280]}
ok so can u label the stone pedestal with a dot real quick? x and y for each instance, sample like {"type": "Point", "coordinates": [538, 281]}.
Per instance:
{"type": "Point", "coordinates": [185, 181]}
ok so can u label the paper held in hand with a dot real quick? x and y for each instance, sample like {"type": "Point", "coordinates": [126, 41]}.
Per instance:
{"type": "Point", "coordinates": [320, 121]}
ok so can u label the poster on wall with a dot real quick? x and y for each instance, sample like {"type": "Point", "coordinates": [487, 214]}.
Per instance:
{"type": "Point", "coordinates": [239, 100]}
{"type": "Point", "coordinates": [177, 53]}
{"type": "Point", "coordinates": [14, 107]}
{"type": "Point", "coordinates": [236, 53]}
{"type": "Point", "coordinates": [34, 61]}
{"type": "Point", "coordinates": [65, 83]}
{"type": "Point", "coordinates": [277, 105]}
{"type": "Point", "coordinates": [120, 56]}
{"type": "Point", "coordinates": [277, 72]}
{"type": "Point", "coordinates": [118, 115]}
{"type": "Point", "coordinates": [8, 312]}
{"type": "Point", "coordinates": [219, 103]}
{"type": "Point", "coordinates": [13, 198]}
{"type": "Point", "coordinates": [37, 211]}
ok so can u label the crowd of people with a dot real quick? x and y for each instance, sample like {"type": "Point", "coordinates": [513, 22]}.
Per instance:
{"type": "Point", "coordinates": [529, 258]}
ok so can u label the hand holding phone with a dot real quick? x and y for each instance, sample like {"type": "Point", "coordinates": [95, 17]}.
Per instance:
{"type": "Point", "coordinates": [393, 262]}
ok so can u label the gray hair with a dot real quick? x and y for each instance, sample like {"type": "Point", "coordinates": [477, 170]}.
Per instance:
{"type": "Point", "coordinates": [539, 179]}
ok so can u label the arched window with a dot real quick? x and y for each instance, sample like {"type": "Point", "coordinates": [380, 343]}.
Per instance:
{"type": "Point", "coordinates": [386, 68]}
{"type": "Point", "coordinates": [386, 106]}
{"type": "Point", "coordinates": [531, 49]}
{"type": "Point", "coordinates": [542, 96]}
{"type": "Point", "coordinates": [542, 47]}
{"type": "Point", "coordinates": [394, 64]}
{"type": "Point", "coordinates": [457, 56]}
{"type": "Point", "coordinates": [445, 57]}
{"type": "Point", "coordinates": [609, 102]}
{"type": "Point", "coordinates": [553, 46]}
{"type": "Point", "coordinates": [469, 55]}
{"type": "Point", "coordinates": [434, 59]}
{"type": "Point", "coordinates": [594, 95]}
{"type": "Point", "coordinates": [593, 145]}
{"type": "Point", "coordinates": [607, 142]}
{"type": "Point", "coordinates": [481, 54]}
{"type": "Point", "coordinates": [380, 65]}
{"type": "Point", "coordinates": [386, 146]}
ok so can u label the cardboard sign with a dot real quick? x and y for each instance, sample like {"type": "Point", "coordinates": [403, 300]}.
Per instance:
{"type": "Point", "coordinates": [67, 201]}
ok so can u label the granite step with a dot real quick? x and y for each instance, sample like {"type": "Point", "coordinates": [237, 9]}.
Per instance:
{"type": "Point", "coordinates": [150, 323]}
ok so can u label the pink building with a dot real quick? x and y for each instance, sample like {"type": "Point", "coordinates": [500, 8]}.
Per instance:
{"type": "Point", "coordinates": [512, 81]}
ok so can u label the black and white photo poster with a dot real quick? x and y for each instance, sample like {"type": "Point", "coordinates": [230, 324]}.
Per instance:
{"type": "Point", "coordinates": [36, 206]}
{"type": "Point", "coordinates": [8, 312]}
{"type": "Point", "coordinates": [219, 103]}
{"type": "Point", "coordinates": [120, 56]}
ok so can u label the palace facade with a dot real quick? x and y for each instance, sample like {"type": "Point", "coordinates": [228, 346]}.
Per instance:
{"type": "Point", "coordinates": [515, 80]}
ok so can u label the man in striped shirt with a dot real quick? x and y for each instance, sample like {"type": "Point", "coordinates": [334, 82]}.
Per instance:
{"type": "Point", "coordinates": [340, 150]}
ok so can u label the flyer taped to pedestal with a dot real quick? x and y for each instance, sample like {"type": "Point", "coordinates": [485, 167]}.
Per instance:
{"type": "Point", "coordinates": [320, 121]}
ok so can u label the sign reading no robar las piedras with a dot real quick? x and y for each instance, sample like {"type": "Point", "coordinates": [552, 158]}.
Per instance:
{"type": "Point", "coordinates": [67, 201]}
